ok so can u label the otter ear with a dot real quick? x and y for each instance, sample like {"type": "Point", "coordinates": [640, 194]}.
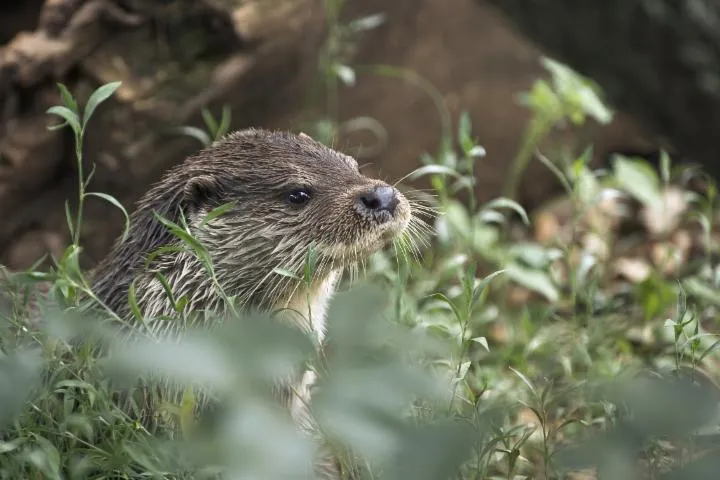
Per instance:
{"type": "Point", "coordinates": [201, 189]}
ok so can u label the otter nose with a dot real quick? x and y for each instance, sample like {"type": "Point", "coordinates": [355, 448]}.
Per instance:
{"type": "Point", "coordinates": [380, 198]}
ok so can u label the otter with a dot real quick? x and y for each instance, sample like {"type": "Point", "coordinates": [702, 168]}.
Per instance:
{"type": "Point", "coordinates": [286, 193]}
{"type": "Point", "coordinates": [289, 192]}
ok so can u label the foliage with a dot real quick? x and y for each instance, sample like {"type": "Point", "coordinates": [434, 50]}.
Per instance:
{"type": "Point", "coordinates": [436, 369]}
{"type": "Point", "coordinates": [567, 98]}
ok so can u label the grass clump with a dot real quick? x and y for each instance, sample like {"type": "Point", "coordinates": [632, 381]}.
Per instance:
{"type": "Point", "coordinates": [581, 340]}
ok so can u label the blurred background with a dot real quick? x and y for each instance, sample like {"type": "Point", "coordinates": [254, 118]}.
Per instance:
{"type": "Point", "coordinates": [370, 75]}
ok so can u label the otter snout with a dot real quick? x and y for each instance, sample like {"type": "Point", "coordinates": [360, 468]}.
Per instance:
{"type": "Point", "coordinates": [379, 201]}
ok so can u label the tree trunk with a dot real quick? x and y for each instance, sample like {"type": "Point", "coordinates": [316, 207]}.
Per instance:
{"type": "Point", "coordinates": [657, 60]}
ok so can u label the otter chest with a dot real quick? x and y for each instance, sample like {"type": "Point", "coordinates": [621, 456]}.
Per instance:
{"type": "Point", "coordinates": [312, 302]}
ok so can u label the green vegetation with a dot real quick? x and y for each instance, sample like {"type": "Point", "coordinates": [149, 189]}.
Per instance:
{"type": "Point", "coordinates": [510, 348]}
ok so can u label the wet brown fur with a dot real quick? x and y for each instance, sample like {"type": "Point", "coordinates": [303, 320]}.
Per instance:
{"type": "Point", "coordinates": [254, 168]}
{"type": "Point", "coordinates": [262, 232]}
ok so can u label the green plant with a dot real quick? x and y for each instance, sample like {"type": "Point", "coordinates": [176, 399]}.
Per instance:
{"type": "Point", "coordinates": [431, 371]}
{"type": "Point", "coordinates": [216, 130]}
{"type": "Point", "coordinates": [77, 121]}
{"type": "Point", "coordinates": [568, 97]}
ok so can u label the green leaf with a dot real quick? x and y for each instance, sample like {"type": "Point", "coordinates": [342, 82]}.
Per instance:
{"type": "Point", "coordinates": [97, 97]}
{"type": "Point", "coordinates": [477, 151]}
{"type": "Point", "coordinates": [66, 114]}
{"type": "Point", "coordinates": [14, 444]}
{"type": "Point", "coordinates": [367, 23]}
{"type": "Point", "coordinates": [586, 185]}
{"type": "Point", "coordinates": [160, 250]}
{"type": "Point", "coordinates": [464, 133]}
{"type": "Point", "coordinates": [593, 106]}
{"type": "Point", "coordinates": [555, 171]}
{"type": "Point", "coordinates": [577, 91]}
{"type": "Point", "coordinates": [655, 296]}
{"type": "Point", "coordinates": [457, 217]}
{"type": "Point", "coordinates": [638, 179]}
{"type": "Point", "coordinates": [286, 273]}
{"type": "Point", "coordinates": [166, 286]}
{"type": "Point", "coordinates": [524, 379]}
{"type": "Point", "coordinates": [462, 371]}
{"type": "Point", "coordinates": [535, 280]}
{"type": "Point", "coordinates": [187, 411]}
{"type": "Point", "coordinates": [503, 202]}
{"type": "Point", "coordinates": [482, 341]}
{"type": "Point", "coordinates": [665, 165]}
{"type": "Point", "coordinates": [89, 176]}
{"type": "Point", "coordinates": [491, 216]}
{"type": "Point", "coordinates": [709, 350]}
{"type": "Point", "coordinates": [195, 133]}
{"type": "Point", "coordinates": [700, 290]}
{"type": "Point", "coordinates": [468, 282]}
{"type": "Point", "coordinates": [183, 235]}
{"type": "Point", "coordinates": [113, 201]}
{"type": "Point", "coordinates": [532, 255]}
{"type": "Point", "coordinates": [433, 170]}
{"type": "Point", "coordinates": [70, 262]}
{"type": "Point", "coordinates": [483, 284]}
{"type": "Point", "coordinates": [132, 301]}
{"type": "Point", "coordinates": [68, 219]}
{"type": "Point", "coordinates": [209, 120]}
{"type": "Point", "coordinates": [217, 211]}
{"type": "Point", "coordinates": [181, 303]}
{"type": "Point", "coordinates": [543, 100]}
{"type": "Point", "coordinates": [446, 300]}
{"type": "Point", "coordinates": [46, 458]}
{"type": "Point", "coordinates": [68, 99]}
{"type": "Point", "coordinates": [224, 122]}
{"type": "Point", "coordinates": [345, 74]}
{"type": "Point", "coordinates": [310, 262]}
{"type": "Point", "coordinates": [72, 383]}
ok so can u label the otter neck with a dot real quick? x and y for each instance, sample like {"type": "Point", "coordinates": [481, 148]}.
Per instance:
{"type": "Point", "coordinates": [309, 305]}
{"type": "Point", "coordinates": [306, 308]}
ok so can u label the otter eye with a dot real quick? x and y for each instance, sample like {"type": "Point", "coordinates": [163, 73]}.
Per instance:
{"type": "Point", "coordinates": [298, 196]}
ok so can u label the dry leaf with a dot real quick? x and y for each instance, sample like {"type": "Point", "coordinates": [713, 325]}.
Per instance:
{"type": "Point", "coordinates": [634, 269]}
{"type": "Point", "coordinates": [519, 296]}
{"type": "Point", "coordinates": [664, 216]}
{"type": "Point", "coordinates": [498, 333]}
{"type": "Point", "coordinates": [596, 245]}
{"type": "Point", "coordinates": [547, 227]}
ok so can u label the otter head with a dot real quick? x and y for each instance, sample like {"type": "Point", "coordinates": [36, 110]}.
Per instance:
{"type": "Point", "coordinates": [288, 193]}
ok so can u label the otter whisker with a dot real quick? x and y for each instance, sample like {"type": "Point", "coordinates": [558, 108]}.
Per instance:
{"type": "Point", "coordinates": [408, 249]}
{"type": "Point", "coordinates": [429, 192]}
{"type": "Point", "coordinates": [353, 268]}
{"type": "Point", "coordinates": [424, 208]}
{"type": "Point", "coordinates": [423, 212]}
{"type": "Point", "coordinates": [420, 231]}
{"type": "Point", "coordinates": [429, 196]}
{"type": "Point", "coordinates": [412, 192]}
{"type": "Point", "coordinates": [411, 247]}
{"type": "Point", "coordinates": [403, 178]}
{"type": "Point", "coordinates": [426, 220]}
{"type": "Point", "coordinates": [417, 229]}
{"type": "Point", "coordinates": [354, 264]}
